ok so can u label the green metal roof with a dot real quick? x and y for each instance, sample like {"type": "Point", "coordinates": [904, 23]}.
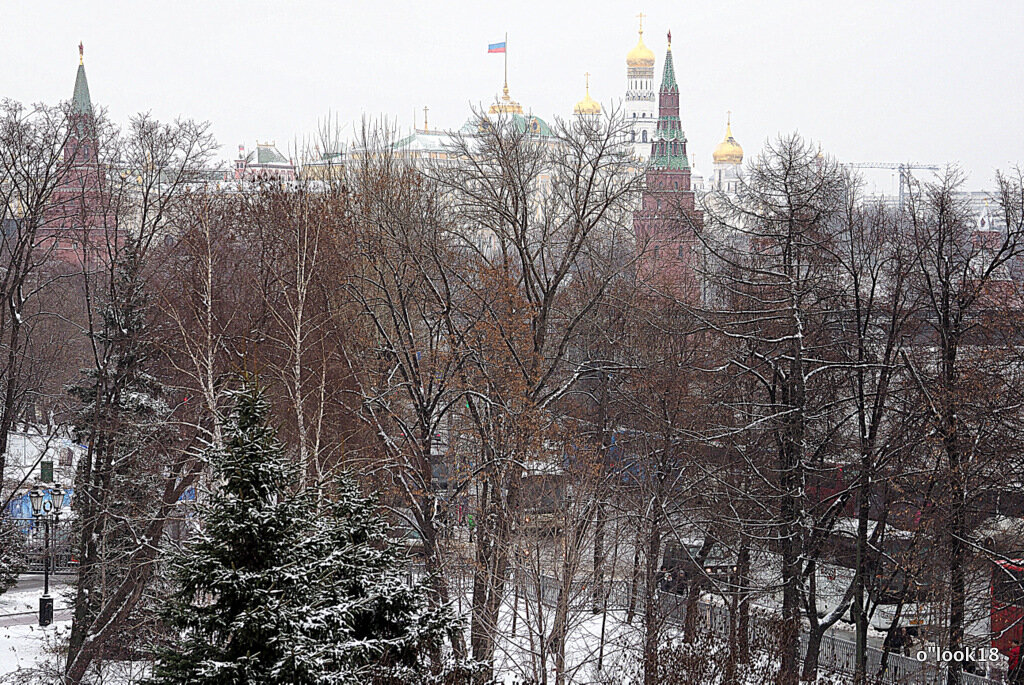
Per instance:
{"type": "Point", "coordinates": [81, 103]}
{"type": "Point", "coordinates": [268, 154]}
{"type": "Point", "coordinates": [521, 122]}
{"type": "Point", "coordinates": [668, 76]}
{"type": "Point", "coordinates": [668, 148]}
{"type": "Point", "coordinates": [534, 125]}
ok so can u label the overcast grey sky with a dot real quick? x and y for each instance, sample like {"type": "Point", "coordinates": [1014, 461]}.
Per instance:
{"type": "Point", "coordinates": [872, 81]}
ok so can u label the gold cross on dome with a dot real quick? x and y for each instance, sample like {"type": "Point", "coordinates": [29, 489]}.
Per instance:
{"type": "Point", "coordinates": [641, 17]}
{"type": "Point", "coordinates": [426, 126]}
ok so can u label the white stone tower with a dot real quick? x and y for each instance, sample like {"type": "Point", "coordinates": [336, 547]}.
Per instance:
{"type": "Point", "coordinates": [641, 109]}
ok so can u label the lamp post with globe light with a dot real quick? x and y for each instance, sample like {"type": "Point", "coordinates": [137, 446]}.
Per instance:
{"type": "Point", "coordinates": [46, 511]}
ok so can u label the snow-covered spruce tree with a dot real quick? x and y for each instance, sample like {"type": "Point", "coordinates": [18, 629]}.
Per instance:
{"type": "Point", "coordinates": [12, 554]}
{"type": "Point", "coordinates": [123, 417]}
{"type": "Point", "coordinates": [271, 590]}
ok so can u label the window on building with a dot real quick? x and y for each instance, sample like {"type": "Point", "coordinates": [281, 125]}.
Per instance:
{"type": "Point", "coordinates": [643, 135]}
{"type": "Point", "coordinates": [681, 252]}
{"type": "Point", "coordinates": [632, 136]}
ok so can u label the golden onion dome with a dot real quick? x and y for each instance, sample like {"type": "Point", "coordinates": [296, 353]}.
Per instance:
{"type": "Point", "coordinates": [728, 151]}
{"type": "Point", "coordinates": [641, 55]}
{"type": "Point", "coordinates": [587, 105]}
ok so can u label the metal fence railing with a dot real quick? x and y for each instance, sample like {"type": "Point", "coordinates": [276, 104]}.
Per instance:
{"type": "Point", "coordinates": [63, 559]}
{"type": "Point", "coordinates": [835, 655]}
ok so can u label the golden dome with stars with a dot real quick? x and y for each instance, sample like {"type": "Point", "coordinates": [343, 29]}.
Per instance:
{"type": "Point", "coordinates": [728, 151]}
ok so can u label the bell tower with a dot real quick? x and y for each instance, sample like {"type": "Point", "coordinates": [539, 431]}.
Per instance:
{"type": "Point", "coordinates": [639, 107]}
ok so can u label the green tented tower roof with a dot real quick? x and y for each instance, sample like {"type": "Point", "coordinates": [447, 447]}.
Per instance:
{"type": "Point", "coordinates": [81, 103]}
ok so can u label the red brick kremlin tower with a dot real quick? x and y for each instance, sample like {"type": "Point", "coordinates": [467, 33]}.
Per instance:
{"type": "Point", "coordinates": [75, 222]}
{"type": "Point", "coordinates": [667, 219]}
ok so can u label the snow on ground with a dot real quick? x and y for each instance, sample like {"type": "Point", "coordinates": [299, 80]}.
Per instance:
{"type": "Point", "coordinates": [19, 601]}
{"type": "Point", "coordinates": [616, 643]}
{"type": "Point", "coordinates": [28, 648]}
{"type": "Point", "coordinates": [30, 655]}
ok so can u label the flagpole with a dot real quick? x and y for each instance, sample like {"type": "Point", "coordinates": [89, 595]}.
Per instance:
{"type": "Point", "coordinates": [506, 62]}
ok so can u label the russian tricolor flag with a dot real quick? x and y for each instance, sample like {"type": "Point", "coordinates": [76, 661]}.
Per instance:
{"type": "Point", "coordinates": [496, 47]}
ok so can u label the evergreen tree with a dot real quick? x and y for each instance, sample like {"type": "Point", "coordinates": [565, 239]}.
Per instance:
{"type": "Point", "coordinates": [272, 591]}
{"type": "Point", "coordinates": [12, 554]}
{"type": "Point", "coordinates": [124, 418]}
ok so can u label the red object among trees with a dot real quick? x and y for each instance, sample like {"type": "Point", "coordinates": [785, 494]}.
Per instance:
{"type": "Point", "coordinates": [666, 222]}
{"type": "Point", "coordinates": [1007, 618]}
{"type": "Point", "coordinates": [76, 224]}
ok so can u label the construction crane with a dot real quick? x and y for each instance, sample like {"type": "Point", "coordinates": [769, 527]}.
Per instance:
{"type": "Point", "coordinates": [903, 167]}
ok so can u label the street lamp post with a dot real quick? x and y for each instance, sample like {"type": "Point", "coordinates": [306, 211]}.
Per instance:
{"type": "Point", "coordinates": [47, 511]}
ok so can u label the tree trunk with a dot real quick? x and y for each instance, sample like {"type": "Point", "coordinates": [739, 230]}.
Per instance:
{"type": "Point", "coordinates": [492, 547]}
{"type": "Point", "coordinates": [810, 673]}
{"type": "Point", "coordinates": [598, 591]}
{"type": "Point", "coordinates": [634, 581]}
{"type": "Point", "coordinates": [743, 588]}
{"type": "Point", "coordinates": [860, 609]}
{"type": "Point", "coordinates": [790, 638]}
{"type": "Point", "coordinates": [7, 411]}
{"type": "Point", "coordinates": [957, 577]}
{"type": "Point", "coordinates": [694, 584]}
{"type": "Point", "coordinates": [957, 525]}
{"type": "Point", "coordinates": [652, 613]}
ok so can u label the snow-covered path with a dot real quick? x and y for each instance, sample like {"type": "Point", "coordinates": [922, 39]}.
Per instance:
{"type": "Point", "coordinates": [19, 606]}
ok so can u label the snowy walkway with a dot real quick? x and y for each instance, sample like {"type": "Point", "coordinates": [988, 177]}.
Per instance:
{"type": "Point", "coordinates": [20, 604]}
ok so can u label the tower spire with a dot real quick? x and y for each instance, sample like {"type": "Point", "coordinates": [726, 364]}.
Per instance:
{"type": "Point", "coordinates": [668, 150]}
{"type": "Point", "coordinates": [81, 103]}
{"type": "Point", "coordinates": [668, 75]}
